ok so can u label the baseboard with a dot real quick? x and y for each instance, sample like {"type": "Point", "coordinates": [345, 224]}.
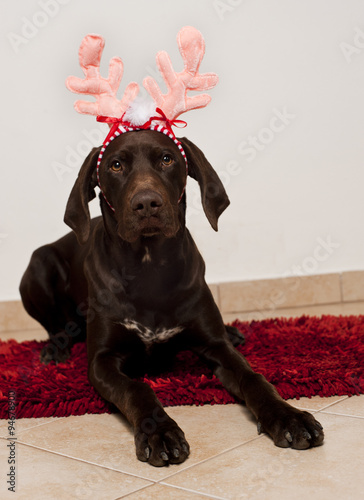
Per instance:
{"type": "Point", "coordinates": [247, 299]}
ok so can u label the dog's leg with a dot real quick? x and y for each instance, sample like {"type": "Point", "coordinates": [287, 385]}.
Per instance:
{"type": "Point", "coordinates": [42, 292]}
{"type": "Point", "coordinates": [286, 425]}
{"type": "Point", "coordinates": [158, 439]}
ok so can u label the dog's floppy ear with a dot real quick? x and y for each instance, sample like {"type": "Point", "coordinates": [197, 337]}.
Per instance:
{"type": "Point", "coordinates": [213, 195]}
{"type": "Point", "coordinates": [77, 215]}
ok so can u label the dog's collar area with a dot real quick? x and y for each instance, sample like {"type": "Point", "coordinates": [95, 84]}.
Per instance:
{"type": "Point", "coordinates": [119, 128]}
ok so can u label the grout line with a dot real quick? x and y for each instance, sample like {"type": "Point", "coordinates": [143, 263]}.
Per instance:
{"type": "Point", "coordinates": [341, 288]}
{"type": "Point", "coordinates": [344, 398]}
{"type": "Point", "coordinates": [196, 492]}
{"type": "Point", "coordinates": [136, 491]}
{"type": "Point", "coordinates": [161, 481]}
{"type": "Point", "coordinates": [77, 459]}
{"type": "Point", "coordinates": [218, 296]}
{"type": "Point", "coordinates": [180, 488]}
{"type": "Point", "coordinates": [36, 425]}
{"type": "Point", "coordinates": [25, 329]}
{"type": "Point", "coordinates": [277, 309]}
{"type": "Point", "coordinates": [295, 308]}
{"type": "Point", "coordinates": [152, 482]}
{"type": "Point", "coordinates": [342, 415]}
{"type": "Point", "coordinates": [139, 476]}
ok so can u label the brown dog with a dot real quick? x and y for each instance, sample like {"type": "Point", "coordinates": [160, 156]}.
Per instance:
{"type": "Point", "coordinates": [133, 279]}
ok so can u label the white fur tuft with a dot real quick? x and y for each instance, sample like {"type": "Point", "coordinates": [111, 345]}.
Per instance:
{"type": "Point", "coordinates": [140, 111]}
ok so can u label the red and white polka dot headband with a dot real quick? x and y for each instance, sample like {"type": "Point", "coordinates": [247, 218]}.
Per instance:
{"type": "Point", "coordinates": [129, 114]}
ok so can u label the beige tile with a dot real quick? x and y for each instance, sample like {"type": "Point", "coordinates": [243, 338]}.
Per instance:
{"type": "Point", "coordinates": [212, 414]}
{"type": "Point", "coordinates": [161, 492]}
{"type": "Point", "coordinates": [353, 406]}
{"type": "Point", "coordinates": [344, 309]}
{"type": "Point", "coordinates": [268, 295]}
{"type": "Point", "coordinates": [23, 335]}
{"type": "Point", "coordinates": [107, 440]}
{"type": "Point", "coordinates": [45, 476]}
{"type": "Point", "coordinates": [259, 470]}
{"type": "Point", "coordinates": [352, 286]}
{"type": "Point", "coordinates": [24, 424]}
{"type": "Point", "coordinates": [316, 403]}
{"type": "Point", "coordinates": [215, 293]}
{"type": "Point", "coordinates": [14, 317]}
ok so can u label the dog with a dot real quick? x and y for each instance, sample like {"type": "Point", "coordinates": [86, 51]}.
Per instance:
{"type": "Point", "coordinates": [132, 282]}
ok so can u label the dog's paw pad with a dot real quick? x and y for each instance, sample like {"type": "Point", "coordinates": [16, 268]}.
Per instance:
{"type": "Point", "coordinates": [294, 428]}
{"type": "Point", "coordinates": [165, 445]}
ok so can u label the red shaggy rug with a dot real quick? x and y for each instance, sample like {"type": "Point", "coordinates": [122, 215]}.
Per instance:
{"type": "Point", "coordinates": [302, 357]}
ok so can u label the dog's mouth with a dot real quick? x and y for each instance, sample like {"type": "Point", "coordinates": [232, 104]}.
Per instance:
{"type": "Point", "coordinates": [148, 227]}
{"type": "Point", "coordinates": [149, 223]}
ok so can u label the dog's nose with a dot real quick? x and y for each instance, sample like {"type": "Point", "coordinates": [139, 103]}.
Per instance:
{"type": "Point", "coordinates": [146, 203]}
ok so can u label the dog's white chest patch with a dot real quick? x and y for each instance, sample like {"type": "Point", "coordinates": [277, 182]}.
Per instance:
{"type": "Point", "coordinates": [148, 335]}
{"type": "Point", "coordinates": [147, 257]}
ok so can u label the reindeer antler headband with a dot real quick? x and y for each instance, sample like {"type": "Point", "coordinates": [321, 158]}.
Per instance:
{"type": "Point", "coordinates": [127, 114]}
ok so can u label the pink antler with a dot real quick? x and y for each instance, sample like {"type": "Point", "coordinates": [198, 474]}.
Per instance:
{"type": "Point", "coordinates": [192, 48]}
{"type": "Point", "coordinates": [103, 89]}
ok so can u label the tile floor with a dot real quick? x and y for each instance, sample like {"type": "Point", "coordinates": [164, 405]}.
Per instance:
{"type": "Point", "coordinates": [92, 456]}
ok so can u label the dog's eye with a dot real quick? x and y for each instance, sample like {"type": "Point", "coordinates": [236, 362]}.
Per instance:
{"type": "Point", "coordinates": [167, 160]}
{"type": "Point", "coordinates": [116, 166]}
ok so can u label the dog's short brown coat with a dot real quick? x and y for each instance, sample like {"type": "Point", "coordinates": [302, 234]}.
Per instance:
{"type": "Point", "coordinates": [133, 282]}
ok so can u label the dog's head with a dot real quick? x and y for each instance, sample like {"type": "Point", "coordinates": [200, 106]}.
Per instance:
{"type": "Point", "coordinates": [142, 175]}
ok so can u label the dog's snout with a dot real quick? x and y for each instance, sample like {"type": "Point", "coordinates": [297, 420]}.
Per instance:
{"type": "Point", "coordinates": [146, 203]}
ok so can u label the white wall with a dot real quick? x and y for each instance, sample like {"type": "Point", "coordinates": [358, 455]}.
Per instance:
{"type": "Point", "coordinates": [296, 193]}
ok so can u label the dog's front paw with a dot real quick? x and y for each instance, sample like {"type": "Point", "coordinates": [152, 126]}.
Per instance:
{"type": "Point", "coordinates": [52, 353]}
{"type": "Point", "coordinates": [161, 443]}
{"type": "Point", "coordinates": [289, 427]}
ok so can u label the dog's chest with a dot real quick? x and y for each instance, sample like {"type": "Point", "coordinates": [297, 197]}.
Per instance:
{"type": "Point", "coordinates": [148, 335]}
